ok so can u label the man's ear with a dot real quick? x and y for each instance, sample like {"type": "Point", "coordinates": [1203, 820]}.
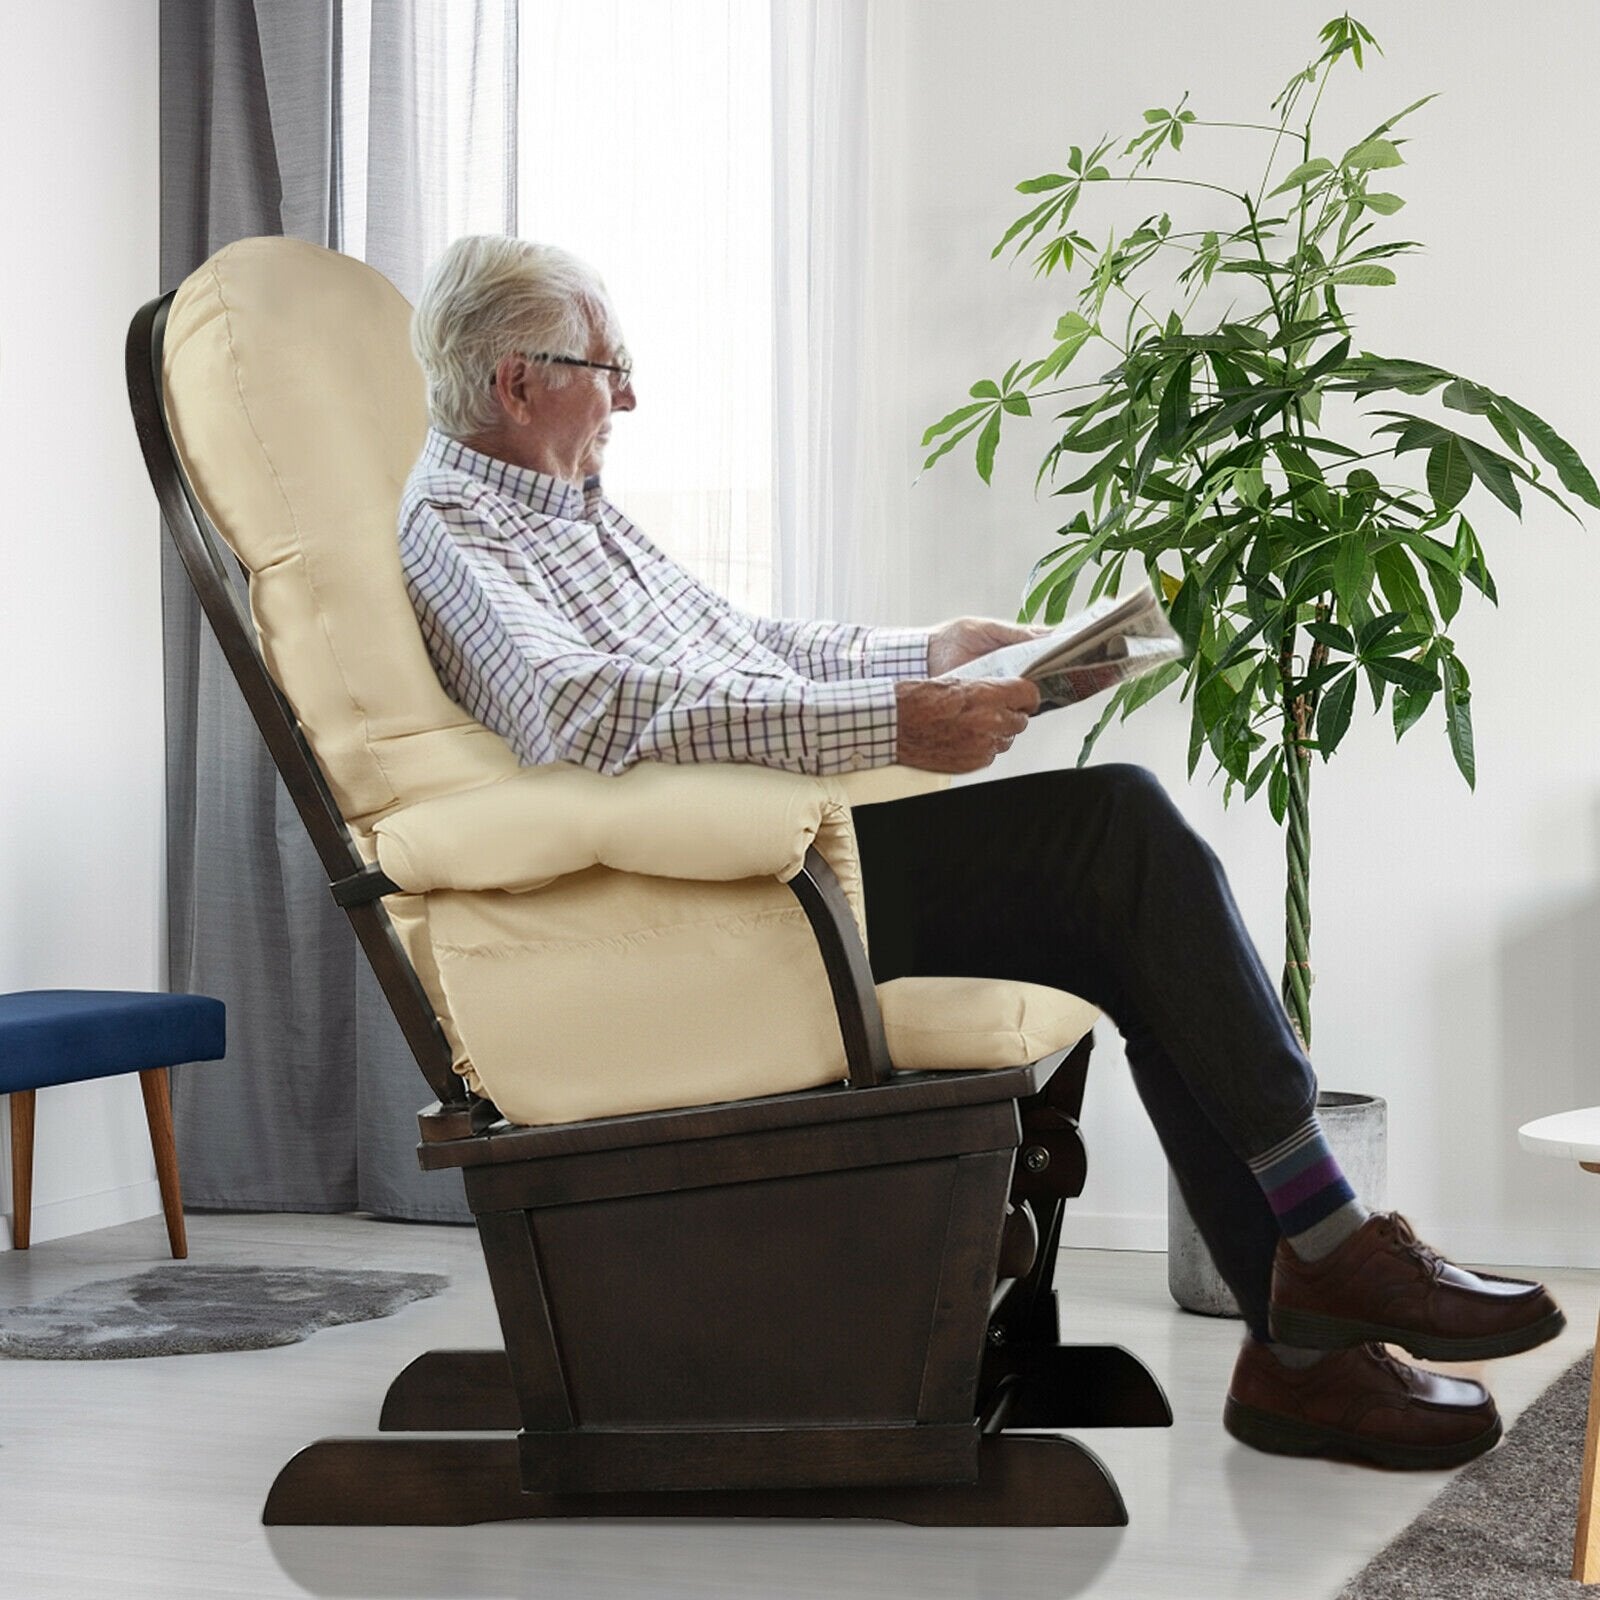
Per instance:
{"type": "Point", "coordinates": [513, 378]}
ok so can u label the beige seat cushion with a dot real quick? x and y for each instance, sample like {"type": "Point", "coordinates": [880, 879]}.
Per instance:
{"type": "Point", "coordinates": [592, 945]}
{"type": "Point", "coordinates": [945, 1024]}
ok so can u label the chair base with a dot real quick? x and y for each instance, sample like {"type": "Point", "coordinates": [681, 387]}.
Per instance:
{"type": "Point", "coordinates": [1032, 1482]}
{"type": "Point", "coordinates": [815, 1325]}
{"type": "Point", "coordinates": [1057, 1386]}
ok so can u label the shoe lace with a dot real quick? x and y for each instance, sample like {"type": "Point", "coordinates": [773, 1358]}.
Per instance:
{"type": "Point", "coordinates": [1386, 1358]}
{"type": "Point", "coordinates": [1405, 1236]}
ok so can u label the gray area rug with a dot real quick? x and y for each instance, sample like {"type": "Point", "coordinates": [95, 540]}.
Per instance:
{"type": "Point", "coordinates": [1502, 1529]}
{"type": "Point", "coordinates": [182, 1310]}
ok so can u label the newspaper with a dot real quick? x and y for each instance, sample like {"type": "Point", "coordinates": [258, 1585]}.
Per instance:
{"type": "Point", "coordinates": [1105, 644]}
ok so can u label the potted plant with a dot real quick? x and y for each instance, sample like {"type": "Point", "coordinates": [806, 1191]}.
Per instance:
{"type": "Point", "coordinates": [1288, 531]}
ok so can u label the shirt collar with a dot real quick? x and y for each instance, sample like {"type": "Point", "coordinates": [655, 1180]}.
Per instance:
{"type": "Point", "coordinates": [550, 496]}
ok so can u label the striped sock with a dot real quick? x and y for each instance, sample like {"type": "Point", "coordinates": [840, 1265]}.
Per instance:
{"type": "Point", "coordinates": [1315, 1206]}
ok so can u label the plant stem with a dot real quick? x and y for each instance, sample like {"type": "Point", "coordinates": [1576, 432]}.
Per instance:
{"type": "Point", "coordinates": [1297, 840]}
{"type": "Point", "coordinates": [1261, 127]}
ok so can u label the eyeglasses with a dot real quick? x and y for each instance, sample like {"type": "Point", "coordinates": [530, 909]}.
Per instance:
{"type": "Point", "coordinates": [621, 371]}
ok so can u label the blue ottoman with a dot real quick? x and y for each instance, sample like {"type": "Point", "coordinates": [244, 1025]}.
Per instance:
{"type": "Point", "coordinates": [69, 1035]}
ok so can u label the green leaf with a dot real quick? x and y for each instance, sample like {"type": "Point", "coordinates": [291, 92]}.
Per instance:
{"type": "Point", "coordinates": [987, 440]}
{"type": "Point", "coordinates": [1146, 688]}
{"type": "Point", "coordinates": [985, 389]}
{"type": "Point", "coordinates": [1050, 180]}
{"type": "Point", "coordinates": [1332, 635]}
{"type": "Point", "coordinates": [1069, 325]}
{"type": "Point", "coordinates": [1352, 573]}
{"type": "Point", "coordinates": [1264, 768]}
{"type": "Point", "coordinates": [1112, 706]}
{"type": "Point", "coordinates": [1304, 173]}
{"type": "Point", "coordinates": [1368, 373]}
{"type": "Point", "coordinates": [1333, 713]}
{"type": "Point", "coordinates": [1372, 154]}
{"type": "Point", "coordinates": [1017, 405]}
{"type": "Point", "coordinates": [1384, 204]}
{"type": "Point", "coordinates": [1408, 708]}
{"type": "Point", "coordinates": [1449, 476]}
{"type": "Point", "coordinates": [1458, 717]}
{"type": "Point", "coordinates": [1173, 417]}
{"type": "Point", "coordinates": [1494, 472]}
{"type": "Point", "coordinates": [1364, 274]}
{"type": "Point", "coordinates": [1096, 438]}
{"type": "Point", "coordinates": [1461, 395]}
{"type": "Point", "coordinates": [1568, 463]}
{"type": "Point", "coordinates": [1038, 214]}
{"type": "Point", "coordinates": [1400, 116]}
{"type": "Point", "coordinates": [1097, 473]}
{"type": "Point", "coordinates": [1277, 793]}
{"type": "Point", "coordinates": [1439, 567]}
{"type": "Point", "coordinates": [960, 414]}
{"type": "Point", "coordinates": [1370, 633]}
{"type": "Point", "coordinates": [1186, 613]}
{"type": "Point", "coordinates": [950, 443]}
{"type": "Point", "coordinates": [1471, 563]}
{"type": "Point", "coordinates": [1412, 676]}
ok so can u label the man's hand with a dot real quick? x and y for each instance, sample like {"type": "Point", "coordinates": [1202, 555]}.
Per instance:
{"type": "Point", "coordinates": [954, 644]}
{"type": "Point", "coordinates": [960, 725]}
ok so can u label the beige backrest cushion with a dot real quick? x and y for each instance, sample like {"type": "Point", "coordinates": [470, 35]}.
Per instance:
{"type": "Point", "coordinates": [298, 411]}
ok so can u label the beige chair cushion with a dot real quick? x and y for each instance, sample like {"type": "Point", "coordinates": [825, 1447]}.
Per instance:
{"type": "Point", "coordinates": [298, 411]}
{"type": "Point", "coordinates": [945, 1024]}
{"type": "Point", "coordinates": [593, 945]}
{"type": "Point", "coordinates": [545, 822]}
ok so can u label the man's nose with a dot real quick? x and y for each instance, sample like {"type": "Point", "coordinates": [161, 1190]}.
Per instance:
{"type": "Point", "coordinates": [624, 399]}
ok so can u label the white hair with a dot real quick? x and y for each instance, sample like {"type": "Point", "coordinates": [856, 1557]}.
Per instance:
{"type": "Point", "coordinates": [490, 296]}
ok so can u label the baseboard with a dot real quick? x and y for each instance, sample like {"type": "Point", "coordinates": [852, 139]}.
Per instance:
{"type": "Point", "coordinates": [83, 1213]}
{"type": "Point", "coordinates": [1567, 1243]}
{"type": "Point", "coordinates": [1113, 1230]}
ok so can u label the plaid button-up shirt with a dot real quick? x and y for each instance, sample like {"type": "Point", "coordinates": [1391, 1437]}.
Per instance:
{"type": "Point", "coordinates": [555, 622]}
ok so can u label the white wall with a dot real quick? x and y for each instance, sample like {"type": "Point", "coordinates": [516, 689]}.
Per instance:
{"type": "Point", "coordinates": [80, 636]}
{"type": "Point", "coordinates": [1457, 939]}
{"type": "Point", "coordinates": [1457, 935]}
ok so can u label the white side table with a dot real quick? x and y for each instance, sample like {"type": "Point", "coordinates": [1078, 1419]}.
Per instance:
{"type": "Point", "coordinates": [1575, 1136]}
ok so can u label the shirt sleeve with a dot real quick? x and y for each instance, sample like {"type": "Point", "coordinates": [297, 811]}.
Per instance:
{"type": "Point", "coordinates": [505, 653]}
{"type": "Point", "coordinates": [828, 652]}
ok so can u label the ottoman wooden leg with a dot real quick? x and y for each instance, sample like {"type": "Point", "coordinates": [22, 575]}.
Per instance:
{"type": "Point", "coordinates": [1586, 1548]}
{"type": "Point", "coordinates": [158, 1113]}
{"type": "Point", "coordinates": [21, 1167]}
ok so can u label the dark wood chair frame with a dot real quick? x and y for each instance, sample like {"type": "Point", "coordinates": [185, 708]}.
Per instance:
{"type": "Point", "coordinates": [832, 1303]}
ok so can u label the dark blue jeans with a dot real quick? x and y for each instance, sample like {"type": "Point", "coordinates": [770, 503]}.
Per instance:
{"type": "Point", "coordinates": [1090, 880]}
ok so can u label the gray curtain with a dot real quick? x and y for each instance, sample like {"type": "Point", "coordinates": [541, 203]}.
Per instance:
{"type": "Point", "coordinates": [383, 134]}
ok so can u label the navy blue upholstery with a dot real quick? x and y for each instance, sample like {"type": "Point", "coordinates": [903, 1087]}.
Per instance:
{"type": "Point", "coordinates": [66, 1035]}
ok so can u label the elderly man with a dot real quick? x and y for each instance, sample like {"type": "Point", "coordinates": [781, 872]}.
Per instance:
{"type": "Point", "coordinates": [553, 620]}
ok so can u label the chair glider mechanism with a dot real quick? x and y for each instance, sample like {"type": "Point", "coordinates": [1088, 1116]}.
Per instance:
{"type": "Point", "coordinates": [766, 1239]}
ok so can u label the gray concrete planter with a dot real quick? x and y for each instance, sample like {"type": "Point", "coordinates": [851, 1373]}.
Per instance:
{"type": "Point", "coordinates": [1356, 1126]}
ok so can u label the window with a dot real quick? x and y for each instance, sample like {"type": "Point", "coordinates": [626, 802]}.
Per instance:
{"type": "Point", "coordinates": [645, 148]}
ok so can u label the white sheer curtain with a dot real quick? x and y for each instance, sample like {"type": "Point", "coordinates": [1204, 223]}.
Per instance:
{"type": "Point", "coordinates": [426, 146]}
{"type": "Point", "coordinates": [645, 147]}
{"type": "Point", "coordinates": [844, 450]}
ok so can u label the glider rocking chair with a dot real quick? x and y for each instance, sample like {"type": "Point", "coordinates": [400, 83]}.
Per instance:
{"type": "Point", "coordinates": [765, 1238]}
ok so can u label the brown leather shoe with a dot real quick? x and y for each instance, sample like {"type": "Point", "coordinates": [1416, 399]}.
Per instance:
{"type": "Point", "coordinates": [1384, 1284]}
{"type": "Point", "coordinates": [1358, 1405]}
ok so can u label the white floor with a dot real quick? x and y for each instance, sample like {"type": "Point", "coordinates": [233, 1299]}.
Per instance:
{"type": "Point", "coordinates": [146, 1478]}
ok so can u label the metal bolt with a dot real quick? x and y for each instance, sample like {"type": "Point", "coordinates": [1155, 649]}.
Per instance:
{"type": "Point", "coordinates": [997, 1334]}
{"type": "Point", "coordinates": [1036, 1158]}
